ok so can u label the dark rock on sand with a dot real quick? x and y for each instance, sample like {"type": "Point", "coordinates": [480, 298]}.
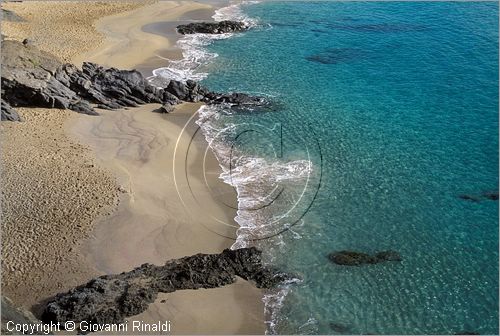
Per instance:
{"type": "Point", "coordinates": [27, 42]}
{"type": "Point", "coordinates": [112, 298]}
{"type": "Point", "coordinates": [8, 113]}
{"type": "Point", "coordinates": [28, 79]}
{"type": "Point", "coordinates": [8, 15]}
{"type": "Point", "coordinates": [33, 78]}
{"type": "Point", "coordinates": [353, 258]}
{"type": "Point", "coordinates": [212, 27]}
{"type": "Point", "coordinates": [166, 108]}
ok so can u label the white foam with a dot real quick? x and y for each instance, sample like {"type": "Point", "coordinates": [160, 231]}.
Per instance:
{"type": "Point", "coordinates": [234, 12]}
{"type": "Point", "coordinates": [194, 52]}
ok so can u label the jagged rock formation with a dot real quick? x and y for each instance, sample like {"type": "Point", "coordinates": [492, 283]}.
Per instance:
{"type": "Point", "coordinates": [112, 298]}
{"type": "Point", "coordinates": [8, 113]}
{"type": "Point", "coordinates": [352, 258]}
{"type": "Point", "coordinates": [34, 78]}
{"type": "Point", "coordinates": [212, 27]}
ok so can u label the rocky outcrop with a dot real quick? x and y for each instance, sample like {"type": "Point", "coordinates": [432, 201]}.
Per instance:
{"type": "Point", "coordinates": [29, 79]}
{"type": "Point", "coordinates": [112, 298]}
{"type": "Point", "coordinates": [8, 113]}
{"type": "Point", "coordinates": [353, 258]}
{"type": "Point", "coordinates": [212, 27]}
{"type": "Point", "coordinates": [8, 15]}
{"type": "Point", "coordinates": [34, 78]}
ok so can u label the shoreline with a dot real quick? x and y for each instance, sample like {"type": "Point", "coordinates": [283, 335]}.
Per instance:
{"type": "Point", "coordinates": [144, 223]}
{"type": "Point", "coordinates": [151, 224]}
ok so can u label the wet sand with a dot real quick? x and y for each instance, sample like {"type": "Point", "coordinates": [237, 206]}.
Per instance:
{"type": "Point", "coordinates": [171, 202]}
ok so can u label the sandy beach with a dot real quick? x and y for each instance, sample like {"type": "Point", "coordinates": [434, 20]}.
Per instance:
{"type": "Point", "coordinates": [150, 190]}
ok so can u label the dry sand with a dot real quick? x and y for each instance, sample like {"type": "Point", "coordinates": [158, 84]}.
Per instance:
{"type": "Point", "coordinates": [172, 203]}
{"type": "Point", "coordinates": [52, 190]}
{"type": "Point", "coordinates": [168, 211]}
{"type": "Point", "coordinates": [63, 28]}
{"type": "Point", "coordinates": [127, 44]}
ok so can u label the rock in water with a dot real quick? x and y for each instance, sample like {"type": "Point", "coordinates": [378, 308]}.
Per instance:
{"type": "Point", "coordinates": [353, 258]}
{"type": "Point", "coordinates": [388, 256]}
{"type": "Point", "coordinates": [212, 27]}
{"type": "Point", "coordinates": [112, 298]}
{"type": "Point", "coordinates": [485, 195]}
{"type": "Point", "coordinates": [491, 195]}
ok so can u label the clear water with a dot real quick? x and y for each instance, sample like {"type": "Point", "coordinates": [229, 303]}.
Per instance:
{"type": "Point", "coordinates": [386, 112]}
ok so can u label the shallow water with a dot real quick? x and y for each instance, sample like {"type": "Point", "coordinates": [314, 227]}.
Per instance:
{"type": "Point", "coordinates": [384, 114]}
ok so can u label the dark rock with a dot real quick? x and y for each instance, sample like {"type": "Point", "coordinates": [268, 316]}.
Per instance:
{"type": "Point", "coordinates": [8, 113]}
{"type": "Point", "coordinates": [112, 298]}
{"type": "Point", "coordinates": [339, 328]}
{"type": "Point", "coordinates": [466, 332]}
{"type": "Point", "coordinates": [166, 108]}
{"type": "Point", "coordinates": [34, 78]}
{"type": "Point", "coordinates": [234, 99]}
{"type": "Point", "coordinates": [8, 15]}
{"type": "Point", "coordinates": [178, 89]}
{"type": "Point", "coordinates": [388, 256]}
{"type": "Point", "coordinates": [337, 55]}
{"type": "Point", "coordinates": [469, 198]}
{"type": "Point", "coordinates": [170, 98]}
{"type": "Point", "coordinates": [27, 42]}
{"type": "Point", "coordinates": [353, 258]}
{"type": "Point", "coordinates": [212, 27]}
{"type": "Point", "coordinates": [491, 195]}
{"type": "Point", "coordinates": [486, 195]}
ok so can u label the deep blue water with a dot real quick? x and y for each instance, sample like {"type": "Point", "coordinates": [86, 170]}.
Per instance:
{"type": "Point", "coordinates": [397, 105]}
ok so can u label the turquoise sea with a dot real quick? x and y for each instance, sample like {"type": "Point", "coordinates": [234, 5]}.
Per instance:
{"type": "Point", "coordinates": [384, 114]}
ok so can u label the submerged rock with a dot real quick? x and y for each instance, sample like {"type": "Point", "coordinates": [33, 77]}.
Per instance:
{"type": "Point", "coordinates": [112, 298]}
{"type": "Point", "coordinates": [339, 328]}
{"type": "Point", "coordinates": [485, 195]}
{"type": "Point", "coordinates": [212, 27]}
{"type": "Point", "coordinates": [388, 256]}
{"type": "Point", "coordinates": [491, 195]}
{"type": "Point", "coordinates": [353, 258]}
